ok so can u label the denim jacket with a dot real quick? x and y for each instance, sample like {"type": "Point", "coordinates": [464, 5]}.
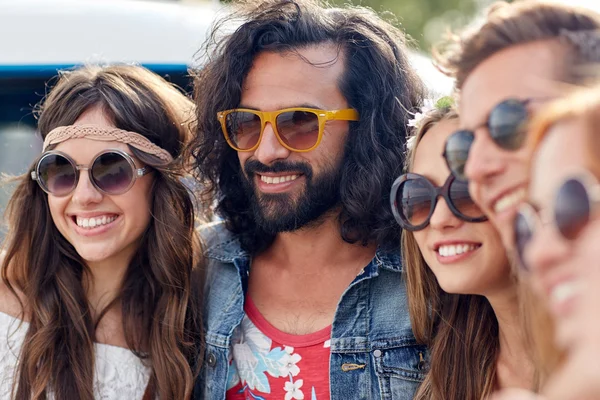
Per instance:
{"type": "Point", "coordinates": [373, 351]}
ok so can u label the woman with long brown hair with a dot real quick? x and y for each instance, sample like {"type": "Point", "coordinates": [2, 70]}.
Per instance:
{"type": "Point", "coordinates": [461, 293]}
{"type": "Point", "coordinates": [97, 298]}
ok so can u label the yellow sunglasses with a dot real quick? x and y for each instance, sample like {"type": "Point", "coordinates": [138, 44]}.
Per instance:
{"type": "Point", "coordinates": [297, 129]}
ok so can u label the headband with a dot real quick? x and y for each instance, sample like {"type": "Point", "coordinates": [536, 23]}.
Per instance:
{"type": "Point", "coordinates": [106, 134]}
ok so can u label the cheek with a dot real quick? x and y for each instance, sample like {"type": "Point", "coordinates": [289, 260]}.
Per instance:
{"type": "Point", "coordinates": [495, 253]}
{"type": "Point", "coordinates": [587, 249]}
{"type": "Point", "coordinates": [421, 239]}
{"type": "Point", "coordinates": [57, 207]}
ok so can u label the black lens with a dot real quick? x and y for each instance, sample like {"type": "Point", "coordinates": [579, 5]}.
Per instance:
{"type": "Point", "coordinates": [456, 152]}
{"type": "Point", "coordinates": [572, 208]}
{"type": "Point", "coordinates": [523, 234]}
{"type": "Point", "coordinates": [462, 201]}
{"type": "Point", "coordinates": [112, 173]}
{"type": "Point", "coordinates": [507, 124]}
{"type": "Point", "coordinates": [56, 174]}
{"type": "Point", "coordinates": [414, 202]}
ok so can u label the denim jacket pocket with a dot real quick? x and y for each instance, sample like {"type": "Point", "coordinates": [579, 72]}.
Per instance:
{"type": "Point", "coordinates": [400, 370]}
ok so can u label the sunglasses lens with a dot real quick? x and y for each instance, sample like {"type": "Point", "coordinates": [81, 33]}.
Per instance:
{"type": "Point", "coordinates": [572, 208]}
{"type": "Point", "coordinates": [56, 174]}
{"type": "Point", "coordinates": [413, 203]}
{"type": "Point", "coordinates": [456, 152]}
{"type": "Point", "coordinates": [243, 129]}
{"type": "Point", "coordinates": [112, 173]}
{"type": "Point", "coordinates": [298, 129]}
{"type": "Point", "coordinates": [508, 124]}
{"type": "Point", "coordinates": [523, 234]}
{"type": "Point", "coordinates": [462, 201]}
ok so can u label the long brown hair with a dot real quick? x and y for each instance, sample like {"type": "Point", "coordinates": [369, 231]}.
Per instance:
{"type": "Point", "coordinates": [378, 81]}
{"type": "Point", "coordinates": [461, 331]}
{"type": "Point", "coordinates": [158, 300]}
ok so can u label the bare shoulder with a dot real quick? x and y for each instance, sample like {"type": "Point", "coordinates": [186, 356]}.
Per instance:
{"type": "Point", "coordinates": [9, 302]}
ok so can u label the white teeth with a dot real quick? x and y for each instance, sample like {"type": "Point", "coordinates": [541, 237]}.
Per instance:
{"type": "Point", "coordinates": [455, 249]}
{"type": "Point", "coordinates": [564, 291]}
{"type": "Point", "coordinates": [278, 179]}
{"type": "Point", "coordinates": [510, 200]}
{"type": "Point", "coordinates": [94, 222]}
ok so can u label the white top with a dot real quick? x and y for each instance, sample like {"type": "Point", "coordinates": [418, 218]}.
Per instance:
{"type": "Point", "coordinates": [119, 374]}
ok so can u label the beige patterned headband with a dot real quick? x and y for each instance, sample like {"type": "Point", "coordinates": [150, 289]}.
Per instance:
{"type": "Point", "coordinates": [106, 134]}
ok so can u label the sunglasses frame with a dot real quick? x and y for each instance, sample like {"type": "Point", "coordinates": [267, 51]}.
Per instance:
{"type": "Point", "coordinates": [486, 124]}
{"type": "Point", "coordinates": [137, 172]}
{"type": "Point", "coordinates": [535, 219]}
{"type": "Point", "coordinates": [347, 114]}
{"type": "Point", "coordinates": [436, 191]}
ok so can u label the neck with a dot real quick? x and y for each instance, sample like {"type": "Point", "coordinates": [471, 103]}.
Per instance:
{"type": "Point", "coordinates": [105, 282]}
{"type": "Point", "coordinates": [515, 367]}
{"type": "Point", "coordinates": [314, 248]}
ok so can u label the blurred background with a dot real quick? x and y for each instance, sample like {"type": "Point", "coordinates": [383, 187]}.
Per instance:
{"type": "Point", "coordinates": [41, 37]}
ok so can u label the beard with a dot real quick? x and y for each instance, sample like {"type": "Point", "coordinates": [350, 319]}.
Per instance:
{"type": "Point", "coordinates": [287, 212]}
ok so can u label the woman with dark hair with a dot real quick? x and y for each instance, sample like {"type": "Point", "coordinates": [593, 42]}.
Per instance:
{"type": "Point", "coordinates": [461, 293]}
{"type": "Point", "coordinates": [97, 298]}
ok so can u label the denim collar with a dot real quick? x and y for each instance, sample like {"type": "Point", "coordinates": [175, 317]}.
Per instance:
{"type": "Point", "coordinates": [230, 251]}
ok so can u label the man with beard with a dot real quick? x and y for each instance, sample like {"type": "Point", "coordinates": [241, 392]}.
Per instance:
{"type": "Point", "coordinates": [301, 132]}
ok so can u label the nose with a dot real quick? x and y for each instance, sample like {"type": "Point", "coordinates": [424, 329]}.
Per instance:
{"type": "Point", "coordinates": [443, 217]}
{"type": "Point", "coordinates": [85, 192]}
{"type": "Point", "coordinates": [270, 149]}
{"type": "Point", "coordinates": [486, 159]}
{"type": "Point", "coordinates": [546, 250]}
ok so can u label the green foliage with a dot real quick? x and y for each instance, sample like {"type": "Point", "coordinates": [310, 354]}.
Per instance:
{"type": "Point", "coordinates": [426, 21]}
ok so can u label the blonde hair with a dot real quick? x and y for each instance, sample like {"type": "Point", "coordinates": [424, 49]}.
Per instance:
{"type": "Point", "coordinates": [583, 103]}
{"type": "Point", "coordinates": [461, 331]}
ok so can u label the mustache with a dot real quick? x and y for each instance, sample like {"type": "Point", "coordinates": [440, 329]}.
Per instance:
{"type": "Point", "coordinates": [254, 166]}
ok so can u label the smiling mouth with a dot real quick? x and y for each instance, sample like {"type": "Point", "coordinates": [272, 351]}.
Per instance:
{"type": "Point", "coordinates": [94, 222]}
{"type": "Point", "coordinates": [509, 200]}
{"type": "Point", "coordinates": [456, 249]}
{"type": "Point", "coordinates": [273, 180]}
{"type": "Point", "coordinates": [564, 292]}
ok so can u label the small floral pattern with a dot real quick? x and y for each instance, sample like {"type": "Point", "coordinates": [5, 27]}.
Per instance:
{"type": "Point", "coordinates": [258, 363]}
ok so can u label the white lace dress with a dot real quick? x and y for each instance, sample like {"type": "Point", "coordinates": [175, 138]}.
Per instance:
{"type": "Point", "coordinates": [119, 374]}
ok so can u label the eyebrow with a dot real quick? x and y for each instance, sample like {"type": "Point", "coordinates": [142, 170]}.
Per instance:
{"type": "Point", "coordinates": [303, 105]}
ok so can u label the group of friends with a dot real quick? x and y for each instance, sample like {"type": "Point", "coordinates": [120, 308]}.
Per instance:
{"type": "Point", "coordinates": [312, 225]}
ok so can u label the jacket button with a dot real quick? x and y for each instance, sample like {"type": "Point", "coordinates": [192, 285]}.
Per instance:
{"type": "Point", "coordinates": [377, 353]}
{"type": "Point", "coordinates": [211, 360]}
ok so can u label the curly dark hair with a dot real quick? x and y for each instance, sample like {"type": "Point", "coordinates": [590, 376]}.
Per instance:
{"type": "Point", "coordinates": [378, 81]}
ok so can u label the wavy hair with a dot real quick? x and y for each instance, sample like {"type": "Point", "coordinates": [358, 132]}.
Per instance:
{"type": "Point", "coordinates": [461, 331]}
{"type": "Point", "coordinates": [158, 297]}
{"type": "Point", "coordinates": [378, 81]}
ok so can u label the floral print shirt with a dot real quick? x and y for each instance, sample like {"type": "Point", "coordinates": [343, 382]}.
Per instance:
{"type": "Point", "coordinates": [270, 364]}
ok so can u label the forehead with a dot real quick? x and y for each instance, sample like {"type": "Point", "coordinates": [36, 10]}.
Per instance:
{"type": "Point", "coordinates": [308, 75]}
{"type": "Point", "coordinates": [428, 157]}
{"type": "Point", "coordinates": [83, 150]}
{"type": "Point", "coordinates": [561, 153]}
{"type": "Point", "coordinates": [523, 71]}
